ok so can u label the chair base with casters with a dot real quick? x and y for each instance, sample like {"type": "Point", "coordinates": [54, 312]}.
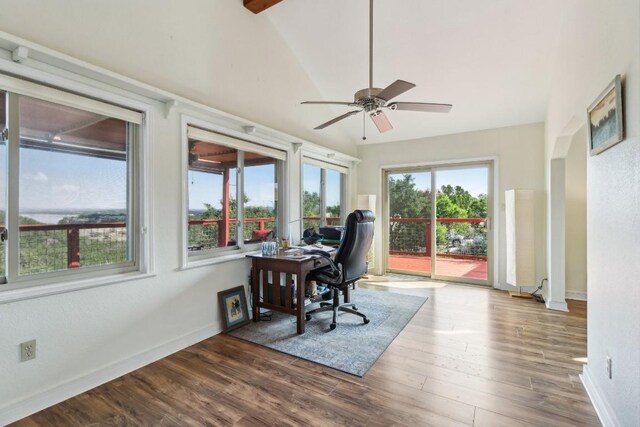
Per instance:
{"type": "Point", "coordinates": [335, 306]}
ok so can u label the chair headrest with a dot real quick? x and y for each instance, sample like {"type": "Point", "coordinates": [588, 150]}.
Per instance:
{"type": "Point", "coordinates": [364, 215]}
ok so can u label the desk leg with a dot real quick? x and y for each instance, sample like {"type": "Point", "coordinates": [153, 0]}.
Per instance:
{"type": "Point", "coordinates": [300, 314]}
{"type": "Point", "coordinates": [255, 292]}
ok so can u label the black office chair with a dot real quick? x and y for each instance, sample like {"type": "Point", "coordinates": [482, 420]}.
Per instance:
{"type": "Point", "coordinates": [348, 265]}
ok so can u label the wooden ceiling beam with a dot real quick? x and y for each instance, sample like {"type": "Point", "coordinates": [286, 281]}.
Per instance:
{"type": "Point", "coordinates": [257, 6]}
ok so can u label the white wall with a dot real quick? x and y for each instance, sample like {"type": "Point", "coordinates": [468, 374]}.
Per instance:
{"type": "Point", "coordinates": [602, 39]}
{"type": "Point", "coordinates": [576, 217]}
{"type": "Point", "coordinates": [519, 149]}
{"type": "Point", "coordinates": [214, 52]}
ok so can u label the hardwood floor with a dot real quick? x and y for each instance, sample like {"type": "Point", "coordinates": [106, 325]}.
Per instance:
{"type": "Point", "coordinates": [470, 357]}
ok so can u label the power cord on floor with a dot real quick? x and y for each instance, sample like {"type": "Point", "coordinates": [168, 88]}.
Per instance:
{"type": "Point", "coordinates": [535, 294]}
{"type": "Point", "coordinates": [266, 316]}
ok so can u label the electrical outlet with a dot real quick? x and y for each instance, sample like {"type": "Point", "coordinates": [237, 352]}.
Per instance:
{"type": "Point", "coordinates": [609, 373]}
{"type": "Point", "coordinates": [28, 350]}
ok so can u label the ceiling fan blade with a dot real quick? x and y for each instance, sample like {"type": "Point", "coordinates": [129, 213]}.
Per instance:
{"type": "Point", "coordinates": [394, 89]}
{"type": "Point", "coordinates": [420, 106]}
{"type": "Point", "coordinates": [381, 121]}
{"type": "Point", "coordinates": [330, 102]}
{"type": "Point", "coordinates": [337, 119]}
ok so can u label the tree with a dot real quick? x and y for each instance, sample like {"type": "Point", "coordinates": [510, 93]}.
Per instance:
{"type": "Point", "coordinates": [447, 208]}
{"type": "Point", "coordinates": [212, 212]}
{"type": "Point", "coordinates": [333, 211]}
{"type": "Point", "coordinates": [478, 207]}
{"type": "Point", "coordinates": [406, 201]}
{"type": "Point", "coordinates": [458, 195]}
{"type": "Point", "coordinates": [210, 234]}
{"type": "Point", "coordinates": [311, 204]}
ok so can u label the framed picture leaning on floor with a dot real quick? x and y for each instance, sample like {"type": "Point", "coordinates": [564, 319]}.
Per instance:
{"type": "Point", "coordinates": [233, 305]}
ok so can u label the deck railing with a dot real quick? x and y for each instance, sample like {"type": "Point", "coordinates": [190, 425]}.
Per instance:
{"type": "Point", "coordinates": [50, 247]}
{"type": "Point", "coordinates": [413, 236]}
{"type": "Point", "coordinates": [205, 233]}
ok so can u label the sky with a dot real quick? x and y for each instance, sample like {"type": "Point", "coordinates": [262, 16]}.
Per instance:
{"type": "Point", "coordinates": [50, 180]}
{"type": "Point", "coordinates": [311, 183]}
{"type": "Point", "coordinates": [259, 187]}
{"type": "Point", "coordinates": [56, 181]}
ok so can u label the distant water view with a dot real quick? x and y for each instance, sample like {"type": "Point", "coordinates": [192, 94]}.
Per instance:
{"type": "Point", "coordinates": [48, 218]}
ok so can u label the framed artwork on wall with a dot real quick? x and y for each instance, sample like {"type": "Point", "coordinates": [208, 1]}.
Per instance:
{"type": "Point", "coordinates": [233, 306]}
{"type": "Point", "coordinates": [605, 118]}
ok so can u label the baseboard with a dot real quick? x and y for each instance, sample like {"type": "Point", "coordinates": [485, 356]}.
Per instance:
{"type": "Point", "coordinates": [557, 305]}
{"type": "Point", "coordinates": [15, 411]}
{"type": "Point", "coordinates": [606, 414]}
{"type": "Point", "coordinates": [580, 296]}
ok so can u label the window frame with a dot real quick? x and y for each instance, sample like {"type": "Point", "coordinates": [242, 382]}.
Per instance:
{"type": "Point", "coordinates": [207, 132]}
{"type": "Point", "coordinates": [345, 176]}
{"type": "Point", "coordinates": [80, 96]}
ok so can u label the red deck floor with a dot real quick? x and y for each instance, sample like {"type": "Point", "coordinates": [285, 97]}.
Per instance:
{"type": "Point", "coordinates": [471, 269]}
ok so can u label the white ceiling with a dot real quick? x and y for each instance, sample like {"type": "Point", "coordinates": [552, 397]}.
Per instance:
{"type": "Point", "coordinates": [491, 59]}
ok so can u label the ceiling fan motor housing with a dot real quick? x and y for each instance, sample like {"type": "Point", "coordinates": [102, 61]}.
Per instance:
{"type": "Point", "coordinates": [368, 98]}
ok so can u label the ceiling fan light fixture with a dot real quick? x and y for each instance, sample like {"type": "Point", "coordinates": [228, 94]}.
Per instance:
{"type": "Point", "coordinates": [381, 121]}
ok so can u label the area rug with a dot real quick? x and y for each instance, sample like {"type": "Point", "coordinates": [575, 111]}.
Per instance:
{"type": "Point", "coordinates": [352, 347]}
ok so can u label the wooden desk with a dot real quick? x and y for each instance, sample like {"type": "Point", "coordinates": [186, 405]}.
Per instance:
{"type": "Point", "coordinates": [288, 266]}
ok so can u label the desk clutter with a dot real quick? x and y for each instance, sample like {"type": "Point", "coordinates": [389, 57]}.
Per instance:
{"type": "Point", "coordinates": [272, 248]}
{"type": "Point", "coordinates": [329, 235]}
{"type": "Point", "coordinates": [269, 248]}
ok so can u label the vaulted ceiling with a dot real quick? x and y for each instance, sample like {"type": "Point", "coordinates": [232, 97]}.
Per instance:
{"type": "Point", "coordinates": [491, 59]}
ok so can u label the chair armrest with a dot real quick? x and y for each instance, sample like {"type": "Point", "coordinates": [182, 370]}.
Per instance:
{"type": "Point", "coordinates": [334, 268]}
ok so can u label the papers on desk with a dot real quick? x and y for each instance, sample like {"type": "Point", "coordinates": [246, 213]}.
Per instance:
{"type": "Point", "coordinates": [295, 253]}
{"type": "Point", "coordinates": [307, 248]}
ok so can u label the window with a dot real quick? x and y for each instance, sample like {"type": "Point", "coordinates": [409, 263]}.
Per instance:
{"type": "Point", "coordinates": [68, 197]}
{"type": "Point", "coordinates": [323, 193]}
{"type": "Point", "coordinates": [332, 197]}
{"type": "Point", "coordinates": [3, 184]}
{"type": "Point", "coordinates": [312, 187]}
{"type": "Point", "coordinates": [232, 191]}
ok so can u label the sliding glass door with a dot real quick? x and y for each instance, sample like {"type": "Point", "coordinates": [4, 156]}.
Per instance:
{"type": "Point", "coordinates": [437, 222]}
{"type": "Point", "coordinates": [461, 223]}
{"type": "Point", "coordinates": [409, 225]}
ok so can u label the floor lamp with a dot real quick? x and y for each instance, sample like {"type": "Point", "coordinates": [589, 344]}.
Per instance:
{"type": "Point", "coordinates": [520, 230]}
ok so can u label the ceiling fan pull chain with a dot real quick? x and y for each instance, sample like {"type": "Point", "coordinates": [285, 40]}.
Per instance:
{"type": "Point", "coordinates": [364, 136]}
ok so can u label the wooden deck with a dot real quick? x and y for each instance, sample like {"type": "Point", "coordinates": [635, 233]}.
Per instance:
{"type": "Point", "coordinates": [470, 357]}
{"type": "Point", "coordinates": [462, 268]}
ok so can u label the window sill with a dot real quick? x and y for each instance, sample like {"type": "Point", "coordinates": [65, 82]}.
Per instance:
{"type": "Point", "coordinates": [25, 291]}
{"type": "Point", "coordinates": [217, 259]}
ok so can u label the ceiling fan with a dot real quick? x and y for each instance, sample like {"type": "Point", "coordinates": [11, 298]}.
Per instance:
{"type": "Point", "coordinates": [372, 99]}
